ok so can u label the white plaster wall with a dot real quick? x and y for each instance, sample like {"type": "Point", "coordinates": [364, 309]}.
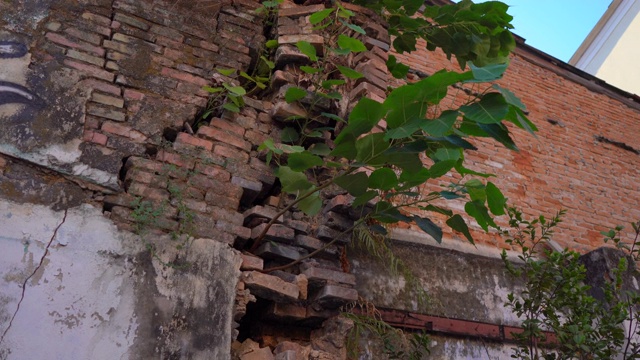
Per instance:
{"type": "Point", "coordinates": [80, 303]}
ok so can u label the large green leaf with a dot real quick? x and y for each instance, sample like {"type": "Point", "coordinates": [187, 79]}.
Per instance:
{"type": "Point", "coordinates": [478, 211]}
{"type": "Point", "coordinates": [289, 135]}
{"type": "Point", "coordinates": [398, 70]}
{"type": "Point", "coordinates": [370, 147]}
{"type": "Point", "coordinates": [304, 160]}
{"type": "Point", "coordinates": [500, 133]}
{"type": "Point", "coordinates": [404, 43]}
{"type": "Point", "coordinates": [349, 72]}
{"type": "Point", "coordinates": [405, 130]}
{"type": "Point", "coordinates": [294, 94]}
{"type": "Point", "coordinates": [347, 42]}
{"type": "Point", "coordinates": [364, 116]}
{"type": "Point", "coordinates": [311, 205]}
{"type": "Point", "coordinates": [441, 168]}
{"type": "Point", "coordinates": [306, 48]}
{"type": "Point", "coordinates": [292, 181]}
{"type": "Point", "coordinates": [406, 161]}
{"type": "Point", "coordinates": [518, 117]}
{"type": "Point", "coordinates": [317, 17]}
{"type": "Point", "coordinates": [364, 198]}
{"type": "Point", "coordinates": [383, 179]}
{"type": "Point", "coordinates": [491, 109]}
{"type": "Point", "coordinates": [495, 199]}
{"type": "Point", "coordinates": [476, 190]}
{"type": "Point", "coordinates": [488, 72]}
{"type": "Point", "coordinates": [412, 178]}
{"type": "Point", "coordinates": [444, 153]}
{"type": "Point", "coordinates": [457, 223]}
{"type": "Point", "coordinates": [429, 227]}
{"type": "Point", "coordinates": [510, 97]}
{"type": "Point", "coordinates": [356, 184]}
{"type": "Point", "coordinates": [345, 148]}
{"type": "Point", "coordinates": [442, 125]}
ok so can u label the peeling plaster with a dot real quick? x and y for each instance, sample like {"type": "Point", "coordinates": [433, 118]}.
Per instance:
{"type": "Point", "coordinates": [80, 297]}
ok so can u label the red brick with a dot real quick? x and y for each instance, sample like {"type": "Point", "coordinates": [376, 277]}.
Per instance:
{"type": "Point", "coordinates": [98, 19]}
{"type": "Point", "coordinates": [95, 137]}
{"type": "Point", "coordinates": [133, 95]}
{"type": "Point", "coordinates": [175, 159]}
{"type": "Point", "coordinates": [138, 162]}
{"type": "Point", "coordinates": [300, 10]}
{"type": "Point", "coordinates": [251, 262]}
{"type": "Point", "coordinates": [61, 40]}
{"type": "Point", "coordinates": [213, 171]}
{"type": "Point", "coordinates": [84, 35]}
{"type": "Point", "coordinates": [230, 153]}
{"type": "Point", "coordinates": [170, 33]}
{"type": "Point", "coordinates": [123, 130]}
{"type": "Point", "coordinates": [269, 287]}
{"type": "Point", "coordinates": [183, 76]}
{"type": "Point", "coordinates": [91, 70]}
{"type": "Point", "coordinates": [139, 189]}
{"type": "Point", "coordinates": [227, 125]}
{"type": "Point", "coordinates": [224, 136]}
{"type": "Point", "coordinates": [195, 141]}
{"type": "Point", "coordinates": [102, 86]}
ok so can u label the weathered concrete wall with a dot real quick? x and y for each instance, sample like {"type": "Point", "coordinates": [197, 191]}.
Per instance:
{"type": "Point", "coordinates": [74, 286]}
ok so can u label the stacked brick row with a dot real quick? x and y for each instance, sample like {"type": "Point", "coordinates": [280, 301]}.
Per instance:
{"type": "Point", "coordinates": [145, 65]}
{"type": "Point", "coordinates": [303, 296]}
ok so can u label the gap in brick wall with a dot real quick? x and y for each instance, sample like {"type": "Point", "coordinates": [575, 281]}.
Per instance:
{"type": "Point", "coordinates": [617, 144]}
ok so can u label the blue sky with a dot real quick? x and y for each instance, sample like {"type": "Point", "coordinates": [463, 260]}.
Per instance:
{"type": "Point", "coordinates": [556, 27]}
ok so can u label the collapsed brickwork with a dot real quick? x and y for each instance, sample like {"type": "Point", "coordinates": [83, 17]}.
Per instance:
{"type": "Point", "coordinates": [113, 119]}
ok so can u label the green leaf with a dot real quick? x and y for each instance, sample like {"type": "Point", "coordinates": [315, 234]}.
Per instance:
{"type": "Point", "coordinates": [333, 117]}
{"type": "Point", "coordinates": [292, 181]}
{"type": "Point", "coordinates": [349, 73]}
{"type": "Point", "coordinates": [405, 43]}
{"type": "Point", "coordinates": [347, 42]}
{"type": "Point", "coordinates": [478, 211]}
{"type": "Point", "coordinates": [495, 199]}
{"type": "Point", "coordinates": [450, 195]}
{"type": "Point", "coordinates": [236, 90]}
{"type": "Point", "coordinates": [441, 168]}
{"type": "Point", "coordinates": [476, 190]}
{"type": "Point", "coordinates": [438, 210]}
{"type": "Point", "coordinates": [364, 198]}
{"type": "Point", "coordinates": [303, 160]}
{"type": "Point", "coordinates": [310, 70]}
{"type": "Point", "coordinates": [231, 107]}
{"type": "Point", "coordinates": [398, 70]}
{"type": "Point", "coordinates": [346, 148]}
{"type": "Point", "coordinates": [354, 27]}
{"type": "Point", "coordinates": [406, 161]}
{"type": "Point", "coordinates": [443, 154]}
{"type": "Point", "coordinates": [355, 184]}
{"type": "Point", "coordinates": [212, 90]}
{"type": "Point", "coordinates": [500, 133]}
{"type": "Point", "coordinates": [294, 94]}
{"type": "Point", "coordinates": [311, 205]}
{"type": "Point", "coordinates": [226, 72]}
{"type": "Point", "coordinates": [519, 118]}
{"type": "Point", "coordinates": [488, 72]}
{"type": "Point", "coordinates": [405, 130]}
{"type": "Point", "coordinates": [289, 135]}
{"type": "Point", "coordinates": [442, 125]}
{"type": "Point", "coordinates": [364, 116]}
{"type": "Point", "coordinates": [429, 227]}
{"type": "Point", "coordinates": [411, 6]}
{"type": "Point", "coordinates": [462, 170]}
{"type": "Point", "coordinates": [317, 17]}
{"type": "Point", "coordinates": [383, 179]}
{"type": "Point", "coordinates": [510, 97]}
{"type": "Point", "coordinates": [327, 84]}
{"type": "Point", "coordinates": [457, 223]}
{"type": "Point", "coordinates": [370, 147]}
{"type": "Point", "coordinates": [271, 44]}
{"type": "Point", "coordinates": [413, 178]}
{"type": "Point", "coordinates": [306, 48]}
{"type": "Point", "coordinates": [321, 149]}
{"type": "Point", "coordinates": [491, 109]}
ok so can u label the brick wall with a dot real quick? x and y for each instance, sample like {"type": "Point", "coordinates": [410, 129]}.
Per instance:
{"type": "Point", "coordinates": [566, 165]}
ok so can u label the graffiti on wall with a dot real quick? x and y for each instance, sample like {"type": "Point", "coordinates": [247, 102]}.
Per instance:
{"type": "Point", "coordinates": [14, 61]}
